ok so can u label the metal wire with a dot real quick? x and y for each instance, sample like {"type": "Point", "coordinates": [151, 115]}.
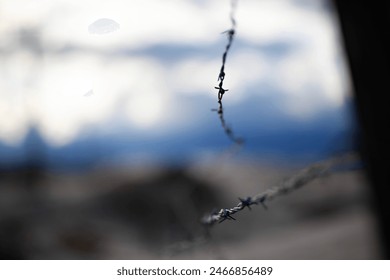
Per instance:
{"type": "Point", "coordinates": [230, 33]}
{"type": "Point", "coordinates": [227, 129]}
{"type": "Point", "coordinates": [221, 77]}
{"type": "Point", "coordinates": [293, 183]}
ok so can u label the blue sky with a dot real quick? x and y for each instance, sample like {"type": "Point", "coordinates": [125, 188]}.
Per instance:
{"type": "Point", "coordinates": [146, 89]}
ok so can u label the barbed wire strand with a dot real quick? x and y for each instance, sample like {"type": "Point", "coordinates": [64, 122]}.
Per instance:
{"type": "Point", "coordinates": [227, 129]}
{"type": "Point", "coordinates": [238, 141]}
{"type": "Point", "coordinates": [230, 33]}
{"type": "Point", "coordinates": [293, 183]}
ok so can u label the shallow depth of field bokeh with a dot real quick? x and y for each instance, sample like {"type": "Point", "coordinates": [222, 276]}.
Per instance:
{"type": "Point", "coordinates": [109, 147]}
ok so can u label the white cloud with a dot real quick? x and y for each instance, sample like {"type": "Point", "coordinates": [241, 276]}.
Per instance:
{"type": "Point", "coordinates": [308, 77]}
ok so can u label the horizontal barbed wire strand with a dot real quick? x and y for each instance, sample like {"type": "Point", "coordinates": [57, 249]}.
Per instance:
{"type": "Point", "coordinates": [294, 182]}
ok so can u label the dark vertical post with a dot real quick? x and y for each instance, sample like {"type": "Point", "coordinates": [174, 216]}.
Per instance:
{"type": "Point", "coordinates": [365, 27]}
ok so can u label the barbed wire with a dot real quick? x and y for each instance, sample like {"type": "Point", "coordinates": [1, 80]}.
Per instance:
{"type": "Point", "coordinates": [296, 181]}
{"type": "Point", "coordinates": [293, 183]}
{"type": "Point", "coordinates": [230, 33]}
{"type": "Point", "coordinates": [221, 77]}
{"type": "Point", "coordinates": [228, 130]}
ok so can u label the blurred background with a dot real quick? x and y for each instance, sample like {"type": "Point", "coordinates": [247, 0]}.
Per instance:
{"type": "Point", "coordinates": [110, 148]}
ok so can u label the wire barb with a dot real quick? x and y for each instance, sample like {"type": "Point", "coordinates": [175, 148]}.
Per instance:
{"type": "Point", "coordinates": [247, 202]}
{"type": "Point", "coordinates": [225, 215]}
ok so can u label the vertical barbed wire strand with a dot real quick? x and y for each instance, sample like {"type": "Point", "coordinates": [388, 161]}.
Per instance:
{"type": "Point", "coordinates": [230, 34]}
{"type": "Point", "coordinates": [293, 183]}
{"type": "Point", "coordinates": [221, 77]}
{"type": "Point", "coordinates": [227, 129]}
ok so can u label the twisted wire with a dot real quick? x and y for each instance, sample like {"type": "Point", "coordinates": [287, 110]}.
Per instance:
{"type": "Point", "coordinates": [221, 77]}
{"type": "Point", "coordinates": [230, 34]}
{"type": "Point", "coordinates": [227, 129]}
{"type": "Point", "coordinates": [294, 182]}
